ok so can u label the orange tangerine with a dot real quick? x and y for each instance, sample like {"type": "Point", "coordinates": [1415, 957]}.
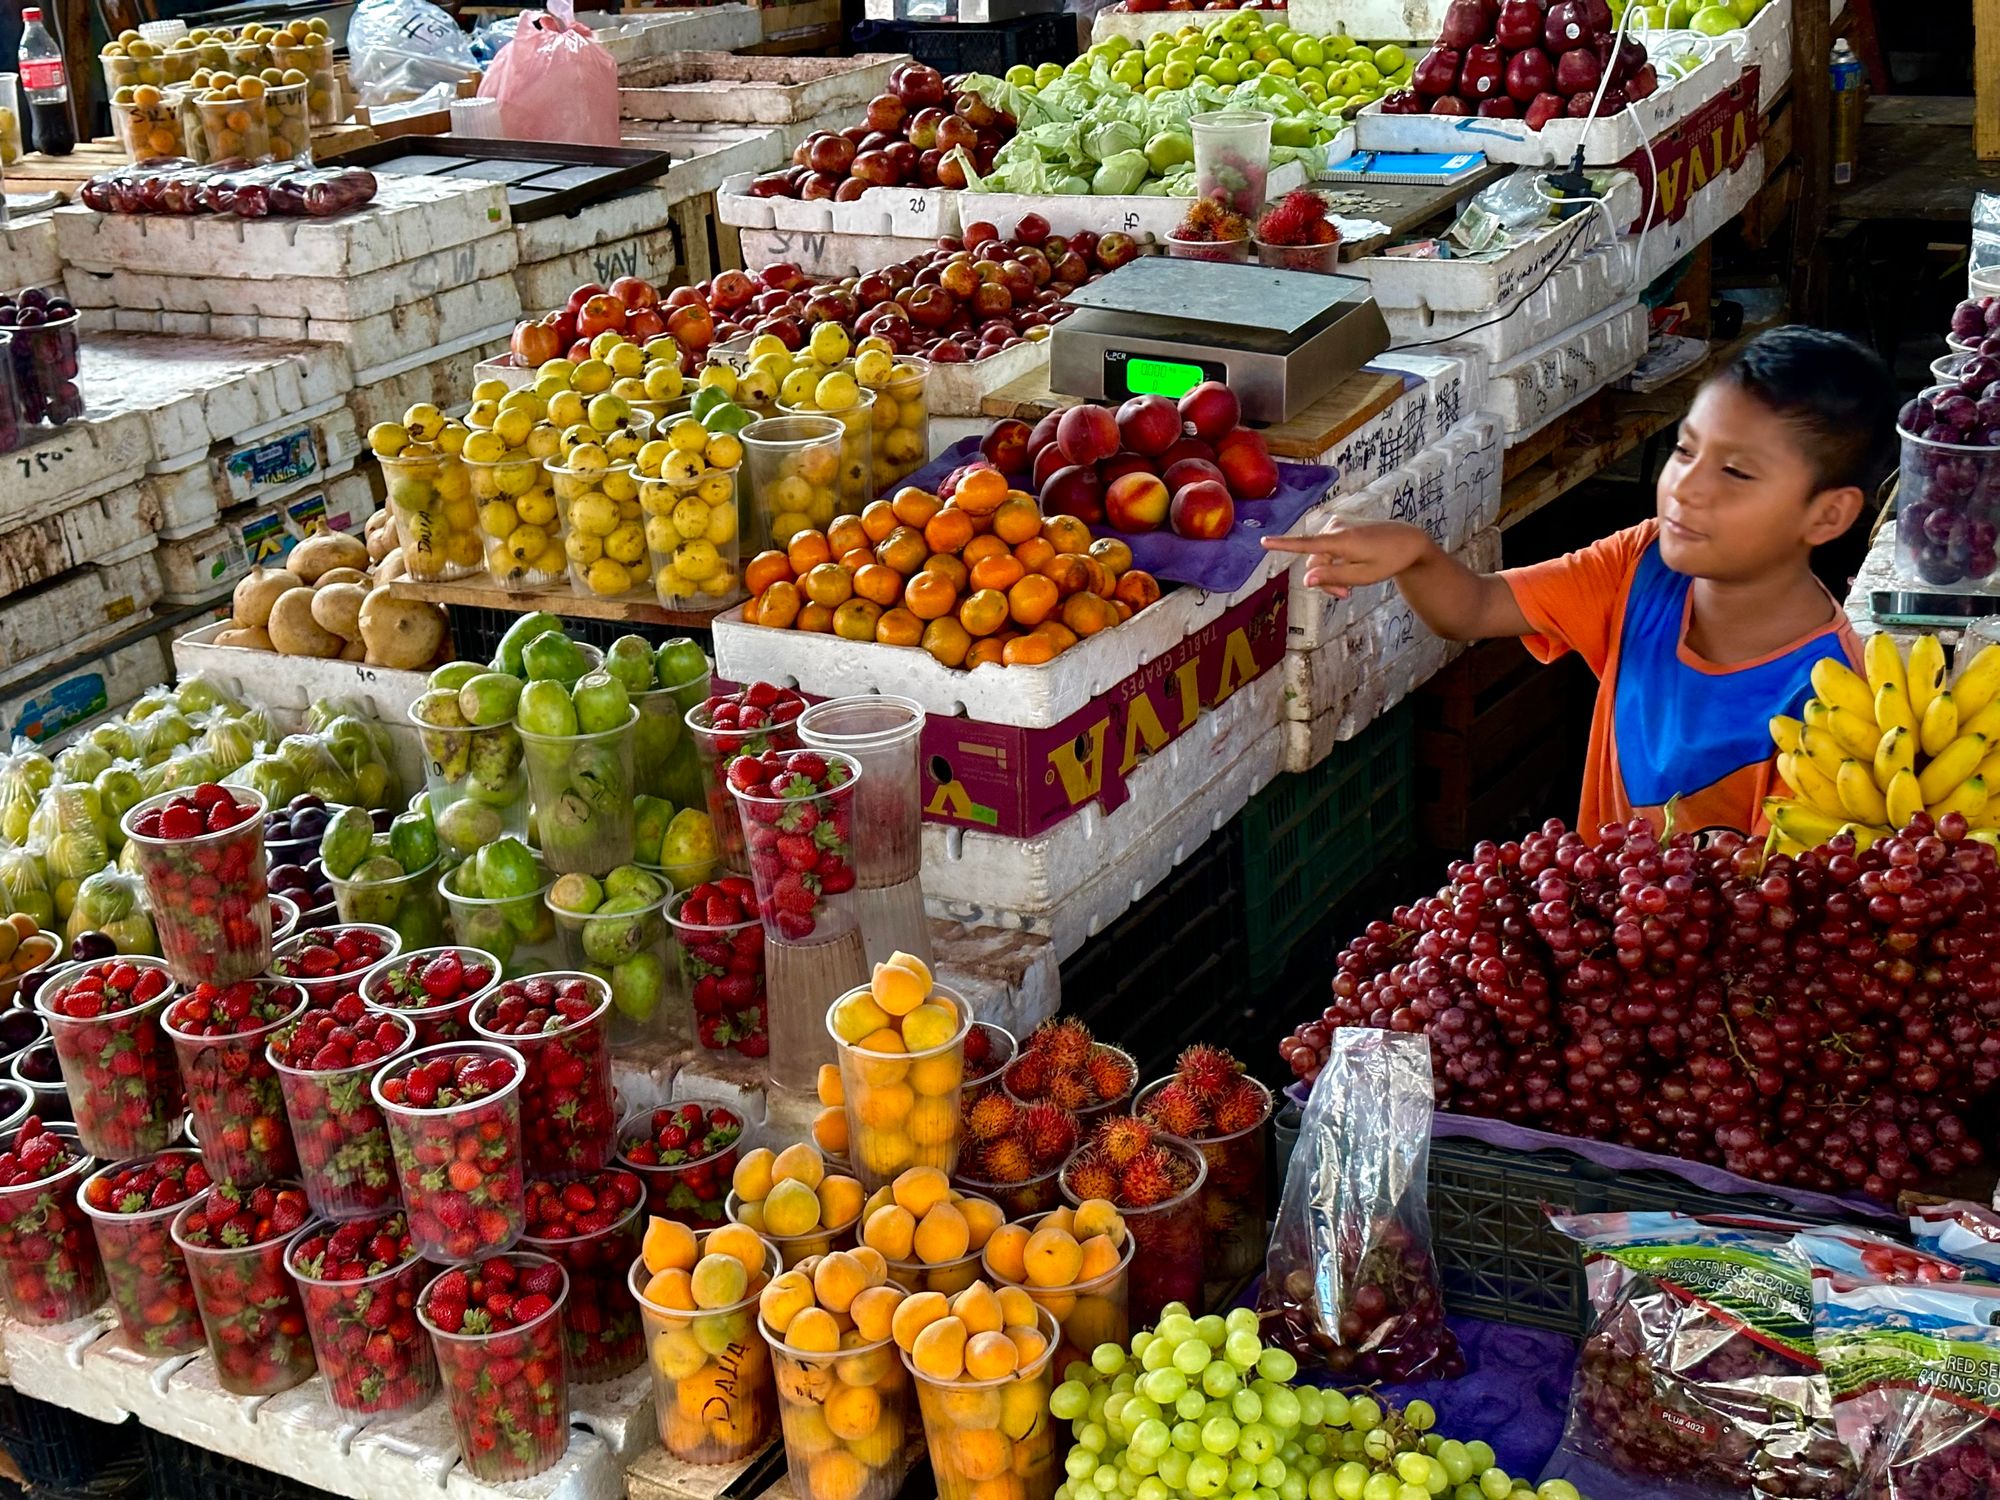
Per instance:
{"type": "Point", "coordinates": [992, 650]}
{"type": "Point", "coordinates": [1034, 553]}
{"type": "Point", "coordinates": [1001, 572]}
{"type": "Point", "coordinates": [903, 549]}
{"type": "Point", "coordinates": [1017, 519]}
{"type": "Point", "coordinates": [898, 627]}
{"type": "Point", "coordinates": [856, 620]}
{"type": "Point", "coordinates": [830, 584]}
{"type": "Point", "coordinates": [856, 558]}
{"type": "Point", "coordinates": [1067, 572]}
{"type": "Point", "coordinates": [947, 641]}
{"type": "Point", "coordinates": [1102, 583]}
{"type": "Point", "coordinates": [765, 569]}
{"type": "Point", "coordinates": [1113, 553]}
{"type": "Point", "coordinates": [949, 530]}
{"type": "Point", "coordinates": [914, 507]}
{"type": "Point", "coordinates": [1058, 632]}
{"type": "Point", "coordinates": [778, 606]}
{"type": "Point", "coordinates": [929, 596]}
{"type": "Point", "coordinates": [982, 547]}
{"type": "Point", "coordinates": [877, 519]}
{"type": "Point", "coordinates": [816, 618]}
{"type": "Point", "coordinates": [878, 585]}
{"type": "Point", "coordinates": [1067, 533]}
{"type": "Point", "coordinates": [845, 534]}
{"type": "Point", "coordinates": [807, 550]}
{"type": "Point", "coordinates": [1087, 614]}
{"type": "Point", "coordinates": [1028, 651]}
{"type": "Point", "coordinates": [984, 612]}
{"type": "Point", "coordinates": [753, 610]}
{"type": "Point", "coordinates": [981, 491]}
{"type": "Point", "coordinates": [1137, 589]}
{"type": "Point", "coordinates": [951, 567]}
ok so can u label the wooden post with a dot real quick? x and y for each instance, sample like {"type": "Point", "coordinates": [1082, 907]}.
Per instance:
{"type": "Point", "coordinates": [1812, 131]}
{"type": "Point", "coordinates": [1986, 79]}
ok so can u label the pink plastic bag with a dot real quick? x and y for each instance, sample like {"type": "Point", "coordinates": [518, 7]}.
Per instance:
{"type": "Point", "coordinates": [554, 81]}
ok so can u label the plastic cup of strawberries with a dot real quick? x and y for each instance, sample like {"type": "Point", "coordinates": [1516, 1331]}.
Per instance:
{"type": "Point", "coordinates": [560, 1023]}
{"type": "Point", "coordinates": [593, 1227]}
{"type": "Point", "coordinates": [50, 1271]}
{"type": "Point", "coordinates": [220, 1033]}
{"type": "Point", "coordinates": [359, 1283]}
{"type": "Point", "coordinates": [324, 1062]}
{"type": "Point", "coordinates": [719, 950]}
{"type": "Point", "coordinates": [132, 1205]}
{"type": "Point", "coordinates": [435, 988]}
{"type": "Point", "coordinates": [797, 810]}
{"type": "Point", "coordinates": [117, 1064]}
{"type": "Point", "coordinates": [725, 725]}
{"type": "Point", "coordinates": [685, 1154]}
{"type": "Point", "coordinates": [497, 1329]}
{"type": "Point", "coordinates": [233, 1240]}
{"type": "Point", "coordinates": [329, 961]}
{"type": "Point", "coordinates": [454, 1115]}
{"type": "Point", "coordinates": [201, 855]}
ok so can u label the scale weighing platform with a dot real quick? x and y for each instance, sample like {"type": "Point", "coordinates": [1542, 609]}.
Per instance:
{"type": "Point", "coordinates": [1160, 326]}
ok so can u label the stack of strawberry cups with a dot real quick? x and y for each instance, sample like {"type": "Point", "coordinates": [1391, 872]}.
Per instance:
{"type": "Point", "coordinates": [719, 943]}
{"type": "Point", "coordinates": [497, 1329]}
{"type": "Point", "coordinates": [324, 1064]}
{"type": "Point", "coordinates": [592, 1227]}
{"type": "Point", "coordinates": [234, 1241]}
{"type": "Point", "coordinates": [685, 1153]}
{"type": "Point", "coordinates": [759, 718]}
{"type": "Point", "coordinates": [132, 1206]}
{"type": "Point", "coordinates": [117, 1065]}
{"type": "Point", "coordinates": [220, 1033]}
{"type": "Point", "coordinates": [561, 1024]}
{"type": "Point", "coordinates": [359, 1282]}
{"type": "Point", "coordinates": [435, 988]}
{"type": "Point", "coordinates": [330, 961]}
{"type": "Point", "coordinates": [454, 1114]}
{"type": "Point", "coordinates": [201, 854]}
{"type": "Point", "coordinates": [49, 1267]}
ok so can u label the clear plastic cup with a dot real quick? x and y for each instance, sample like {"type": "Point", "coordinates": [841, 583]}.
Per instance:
{"type": "Point", "coordinates": [284, 919]}
{"type": "Point", "coordinates": [1321, 260]}
{"type": "Point", "coordinates": [1948, 511]}
{"type": "Point", "coordinates": [793, 1248]}
{"type": "Point", "coordinates": [37, 1069]}
{"type": "Point", "coordinates": [794, 463]}
{"type": "Point", "coordinates": [481, 767]}
{"type": "Point", "coordinates": [714, 748]}
{"type": "Point", "coordinates": [437, 523]}
{"type": "Point", "coordinates": [1172, 1240]}
{"type": "Point", "coordinates": [10, 119]}
{"type": "Point", "coordinates": [846, 1419]}
{"type": "Point", "coordinates": [520, 528]}
{"type": "Point", "coordinates": [16, 1104]}
{"type": "Point", "coordinates": [902, 1107]}
{"type": "Point", "coordinates": [695, 1193]}
{"type": "Point", "coordinates": [1096, 1310]}
{"type": "Point", "coordinates": [118, 1069]}
{"type": "Point", "coordinates": [287, 959]}
{"type": "Point", "coordinates": [601, 1319]}
{"type": "Point", "coordinates": [1018, 1200]}
{"type": "Point", "coordinates": [146, 123]}
{"type": "Point", "coordinates": [722, 973]}
{"type": "Point", "coordinates": [664, 757]}
{"type": "Point", "coordinates": [1090, 1113]}
{"type": "Point", "coordinates": [207, 894]}
{"type": "Point", "coordinates": [523, 1428]}
{"type": "Point", "coordinates": [855, 484]}
{"type": "Point", "coordinates": [1945, 367]}
{"type": "Point", "coordinates": [583, 790]}
{"type": "Point", "coordinates": [409, 905]}
{"type": "Point", "coordinates": [313, 58]}
{"type": "Point", "coordinates": [477, 1212]}
{"type": "Point", "coordinates": [436, 1022]}
{"type": "Point", "coordinates": [901, 418]}
{"type": "Point", "coordinates": [516, 930]}
{"type": "Point", "coordinates": [970, 1427]}
{"type": "Point", "coordinates": [249, 1305]}
{"type": "Point", "coordinates": [289, 116]}
{"type": "Point", "coordinates": [345, 1159]}
{"type": "Point", "coordinates": [233, 1090]}
{"type": "Point", "coordinates": [150, 1287]}
{"type": "Point", "coordinates": [693, 535]}
{"type": "Point", "coordinates": [882, 734]}
{"type": "Point", "coordinates": [12, 420]}
{"type": "Point", "coordinates": [375, 1367]}
{"type": "Point", "coordinates": [947, 1276]}
{"type": "Point", "coordinates": [631, 954]}
{"type": "Point", "coordinates": [1232, 158]}
{"type": "Point", "coordinates": [712, 1386]}
{"type": "Point", "coordinates": [121, 71]}
{"type": "Point", "coordinates": [50, 1271]}
{"type": "Point", "coordinates": [46, 362]}
{"type": "Point", "coordinates": [1237, 1192]}
{"type": "Point", "coordinates": [1218, 252]}
{"type": "Point", "coordinates": [233, 129]}
{"type": "Point", "coordinates": [567, 1093]}
{"type": "Point", "coordinates": [789, 914]}
{"type": "Point", "coordinates": [604, 534]}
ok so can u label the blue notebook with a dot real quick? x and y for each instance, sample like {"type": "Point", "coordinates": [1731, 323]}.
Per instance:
{"type": "Point", "coordinates": [1423, 168]}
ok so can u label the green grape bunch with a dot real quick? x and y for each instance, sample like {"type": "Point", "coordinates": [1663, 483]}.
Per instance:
{"type": "Point", "coordinates": [1200, 1407]}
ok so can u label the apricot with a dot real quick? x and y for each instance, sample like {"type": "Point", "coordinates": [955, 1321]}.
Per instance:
{"type": "Point", "coordinates": [852, 1411]}
{"type": "Point", "coordinates": [933, 1123]}
{"type": "Point", "coordinates": [978, 1309]}
{"type": "Point", "coordinates": [788, 1294]}
{"type": "Point", "coordinates": [982, 1218]}
{"type": "Point", "coordinates": [1024, 1408]}
{"type": "Point", "coordinates": [876, 1448]}
{"type": "Point", "coordinates": [898, 990]}
{"type": "Point", "coordinates": [719, 1279]}
{"type": "Point", "coordinates": [827, 1084]}
{"type": "Point", "coordinates": [929, 1026]}
{"type": "Point", "coordinates": [798, 1162]}
{"type": "Point", "coordinates": [740, 1242]}
{"type": "Point", "coordinates": [1063, 1218]}
{"type": "Point", "coordinates": [1017, 1308]}
{"type": "Point", "coordinates": [939, 1351]}
{"type": "Point", "coordinates": [873, 1309]}
{"type": "Point", "coordinates": [668, 1245]}
{"type": "Point", "coordinates": [1053, 1258]}
{"type": "Point", "coordinates": [914, 1314]}
{"type": "Point", "coordinates": [1093, 1216]}
{"type": "Point", "coordinates": [1006, 1252]}
{"type": "Point", "coordinates": [874, 1366]}
{"type": "Point", "coordinates": [941, 1073]}
{"type": "Point", "coordinates": [884, 1108]}
{"type": "Point", "coordinates": [978, 1454]}
{"type": "Point", "coordinates": [1028, 1344]}
{"type": "Point", "coordinates": [829, 1130]}
{"type": "Point", "coordinates": [839, 1201]}
{"type": "Point", "coordinates": [814, 1332]}
{"type": "Point", "coordinates": [791, 1210]}
{"type": "Point", "coordinates": [872, 1260]}
{"type": "Point", "coordinates": [752, 1177]}
{"type": "Point", "coordinates": [883, 1153]}
{"type": "Point", "coordinates": [806, 1431]}
{"type": "Point", "coordinates": [670, 1288]}
{"type": "Point", "coordinates": [890, 1230]}
{"type": "Point", "coordinates": [991, 1355]}
{"type": "Point", "coordinates": [1100, 1258]}
{"type": "Point", "coordinates": [942, 1234]}
{"type": "Point", "coordinates": [856, 1015]}
{"type": "Point", "coordinates": [837, 1280]}
{"type": "Point", "coordinates": [920, 1190]}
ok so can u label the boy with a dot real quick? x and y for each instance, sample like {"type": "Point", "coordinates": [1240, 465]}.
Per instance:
{"type": "Point", "coordinates": [1702, 623]}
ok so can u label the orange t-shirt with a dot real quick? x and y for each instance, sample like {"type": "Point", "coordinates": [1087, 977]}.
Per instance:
{"type": "Point", "coordinates": [1667, 723]}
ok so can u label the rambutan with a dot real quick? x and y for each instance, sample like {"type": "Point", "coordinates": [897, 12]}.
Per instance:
{"type": "Point", "coordinates": [1066, 1043]}
{"type": "Point", "coordinates": [1049, 1132]}
{"type": "Point", "coordinates": [1295, 219]}
{"type": "Point", "coordinates": [1089, 1175]}
{"type": "Point", "coordinates": [1121, 1138]}
{"type": "Point", "coordinates": [1007, 1161]}
{"type": "Point", "coordinates": [1245, 1105]}
{"type": "Point", "coordinates": [1027, 1076]}
{"type": "Point", "coordinates": [1176, 1110]}
{"type": "Point", "coordinates": [1147, 1179]}
{"type": "Point", "coordinates": [1207, 221]}
{"type": "Point", "coordinates": [991, 1116]}
{"type": "Point", "coordinates": [1070, 1091]}
{"type": "Point", "coordinates": [979, 1049]}
{"type": "Point", "coordinates": [1111, 1073]}
{"type": "Point", "coordinates": [1209, 1073]}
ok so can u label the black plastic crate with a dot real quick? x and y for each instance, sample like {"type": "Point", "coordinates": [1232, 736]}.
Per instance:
{"type": "Point", "coordinates": [476, 631]}
{"type": "Point", "coordinates": [127, 1479]}
{"type": "Point", "coordinates": [953, 47]}
{"type": "Point", "coordinates": [57, 1449]}
{"type": "Point", "coordinates": [180, 1471]}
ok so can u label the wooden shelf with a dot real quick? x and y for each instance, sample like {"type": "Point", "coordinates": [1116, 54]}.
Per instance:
{"type": "Point", "coordinates": [476, 593]}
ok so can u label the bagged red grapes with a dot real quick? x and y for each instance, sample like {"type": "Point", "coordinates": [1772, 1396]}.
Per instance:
{"type": "Point", "coordinates": [1349, 1284]}
{"type": "Point", "coordinates": [1962, 1232]}
{"type": "Point", "coordinates": [1698, 1378]}
{"type": "Point", "coordinates": [1851, 1257]}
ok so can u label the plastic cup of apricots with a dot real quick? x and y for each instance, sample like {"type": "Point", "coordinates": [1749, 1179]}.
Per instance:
{"type": "Point", "coordinates": [900, 1041]}
{"type": "Point", "coordinates": [711, 1366]}
{"type": "Point", "coordinates": [1077, 1264]}
{"type": "Point", "coordinates": [930, 1232]}
{"type": "Point", "coordinates": [794, 1202]}
{"type": "Point", "coordinates": [984, 1395]}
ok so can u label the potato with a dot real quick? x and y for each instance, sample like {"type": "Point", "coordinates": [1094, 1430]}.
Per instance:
{"type": "Point", "coordinates": [401, 633]}
{"type": "Point", "coordinates": [251, 638]}
{"type": "Point", "coordinates": [295, 632]}
{"type": "Point", "coordinates": [320, 554]}
{"type": "Point", "coordinates": [381, 535]}
{"type": "Point", "coordinates": [341, 575]}
{"type": "Point", "coordinates": [337, 607]}
{"type": "Point", "coordinates": [390, 567]}
{"type": "Point", "coordinates": [354, 651]}
{"type": "Point", "coordinates": [256, 592]}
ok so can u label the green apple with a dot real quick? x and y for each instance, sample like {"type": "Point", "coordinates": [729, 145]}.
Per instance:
{"type": "Point", "coordinates": [1389, 58]}
{"type": "Point", "coordinates": [1713, 20]}
{"type": "Point", "coordinates": [1308, 53]}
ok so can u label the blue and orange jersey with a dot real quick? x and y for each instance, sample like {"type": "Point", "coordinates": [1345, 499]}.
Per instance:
{"type": "Point", "coordinates": [1667, 724]}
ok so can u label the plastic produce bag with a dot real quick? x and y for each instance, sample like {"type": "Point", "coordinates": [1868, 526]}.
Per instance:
{"type": "Point", "coordinates": [113, 902]}
{"type": "Point", "coordinates": [1964, 1233]}
{"type": "Point", "coordinates": [401, 49]}
{"type": "Point", "coordinates": [228, 743]}
{"type": "Point", "coordinates": [24, 772]}
{"type": "Point", "coordinates": [1698, 1378]}
{"type": "Point", "coordinates": [24, 886]}
{"type": "Point", "coordinates": [1349, 1284]}
{"type": "Point", "coordinates": [554, 81]}
{"type": "Point", "coordinates": [201, 694]}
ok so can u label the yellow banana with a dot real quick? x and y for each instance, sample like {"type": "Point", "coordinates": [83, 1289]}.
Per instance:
{"type": "Point", "coordinates": [1859, 794]}
{"type": "Point", "coordinates": [1892, 708]}
{"type": "Point", "coordinates": [1866, 834]}
{"type": "Point", "coordinates": [1815, 713]}
{"type": "Point", "coordinates": [1905, 798]}
{"type": "Point", "coordinates": [1978, 682]}
{"type": "Point", "coordinates": [1967, 798]}
{"type": "Point", "coordinates": [1986, 721]}
{"type": "Point", "coordinates": [1925, 671]}
{"type": "Point", "coordinates": [1785, 731]}
{"type": "Point", "coordinates": [1990, 767]}
{"type": "Point", "coordinates": [1820, 747]}
{"type": "Point", "coordinates": [1950, 766]}
{"type": "Point", "coordinates": [1802, 825]}
{"type": "Point", "coordinates": [1857, 736]}
{"type": "Point", "coordinates": [1812, 785]}
{"type": "Point", "coordinates": [1896, 752]}
{"type": "Point", "coordinates": [1884, 663]}
{"type": "Point", "coordinates": [1940, 723]}
{"type": "Point", "coordinates": [1838, 687]}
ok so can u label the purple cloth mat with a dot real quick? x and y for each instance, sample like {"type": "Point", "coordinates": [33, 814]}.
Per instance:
{"type": "Point", "coordinates": [1514, 1393]}
{"type": "Point", "coordinates": [1222, 566]}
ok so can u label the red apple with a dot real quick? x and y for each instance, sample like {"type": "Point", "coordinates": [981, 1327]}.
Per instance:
{"type": "Point", "coordinates": [1006, 446]}
{"type": "Point", "coordinates": [830, 154]}
{"type": "Point", "coordinates": [1136, 502]}
{"type": "Point", "coordinates": [945, 352]}
{"type": "Point", "coordinates": [1149, 424]}
{"type": "Point", "coordinates": [1246, 465]}
{"type": "Point", "coordinates": [953, 132]}
{"type": "Point", "coordinates": [1450, 104]}
{"type": "Point", "coordinates": [582, 295]}
{"type": "Point", "coordinates": [732, 292]}
{"type": "Point", "coordinates": [634, 292]}
{"type": "Point", "coordinates": [1188, 470]}
{"type": "Point", "coordinates": [1543, 108]}
{"type": "Point", "coordinates": [535, 341]}
{"type": "Point", "coordinates": [1087, 434]}
{"type": "Point", "coordinates": [1529, 72]}
{"type": "Point", "coordinates": [644, 324]}
{"type": "Point", "coordinates": [820, 187]}
{"type": "Point", "coordinates": [1210, 410]}
{"type": "Point", "coordinates": [691, 327]}
{"type": "Point", "coordinates": [916, 83]}
{"type": "Point", "coordinates": [1563, 27]}
{"type": "Point", "coordinates": [951, 172]}
{"type": "Point", "coordinates": [1114, 250]}
{"type": "Point", "coordinates": [1436, 72]}
{"type": "Point", "coordinates": [992, 300]}
{"type": "Point", "coordinates": [876, 169]}
{"type": "Point", "coordinates": [850, 189]}
{"type": "Point", "coordinates": [1480, 76]}
{"type": "Point", "coordinates": [886, 113]}
{"type": "Point", "coordinates": [1578, 71]}
{"type": "Point", "coordinates": [604, 313]}
{"type": "Point", "coordinates": [1518, 25]}
{"type": "Point", "coordinates": [1072, 491]}
{"type": "Point", "coordinates": [1642, 84]}
{"type": "Point", "coordinates": [1203, 511]}
{"type": "Point", "coordinates": [1031, 229]}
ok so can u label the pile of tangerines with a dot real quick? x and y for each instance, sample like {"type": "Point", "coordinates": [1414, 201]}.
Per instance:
{"type": "Point", "coordinates": [973, 574]}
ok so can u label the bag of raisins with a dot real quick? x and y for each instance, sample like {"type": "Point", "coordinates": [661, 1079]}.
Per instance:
{"type": "Point", "coordinates": [1961, 1232]}
{"type": "Point", "coordinates": [1349, 1284]}
{"type": "Point", "coordinates": [1698, 1379]}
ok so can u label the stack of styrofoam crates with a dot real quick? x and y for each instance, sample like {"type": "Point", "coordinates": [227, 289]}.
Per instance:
{"type": "Point", "coordinates": [28, 253]}
{"type": "Point", "coordinates": [630, 235]}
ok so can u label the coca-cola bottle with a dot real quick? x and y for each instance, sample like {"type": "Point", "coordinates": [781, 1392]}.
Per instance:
{"type": "Point", "coordinates": [46, 84]}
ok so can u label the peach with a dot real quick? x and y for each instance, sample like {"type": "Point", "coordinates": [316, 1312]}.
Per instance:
{"type": "Point", "coordinates": [989, 1356]}
{"type": "Point", "coordinates": [788, 1295]}
{"type": "Point", "coordinates": [891, 1231]}
{"type": "Point", "coordinates": [837, 1280]}
{"type": "Point", "coordinates": [829, 1130]}
{"type": "Point", "coordinates": [920, 1190]}
{"type": "Point", "coordinates": [1100, 1257]}
{"type": "Point", "coordinates": [941, 1235]}
{"type": "Point", "coordinates": [1053, 1258]}
{"type": "Point", "coordinates": [1136, 503]}
{"type": "Point", "coordinates": [1246, 465]}
{"type": "Point", "coordinates": [1203, 511]}
{"type": "Point", "coordinates": [838, 1475]}
{"type": "Point", "coordinates": [1210, 410]}
{"type": "Point", "coordinates": [914, 1314]}
{"type": "Point", "coordinates": [1087, 434]}
{"type": "Point", "coordinates": [1006, 1251]}
{"type": "Point", "coordinates": [1074, 490]}
{"type": "Point", "coordinates": [1149, 424]}
{"type": "Point", "coordinates": [1042, 435]}
{"type": "Point", "coordinates": [1028, 1343]}
{"type": "Point", "coordinates": [718, 1281]}
{"type": "Point", "coordinates": [831, 1090]}
{"type": "Point", "coordinates": [872, 1262]}
{"type": "Point", "coordinates": [978, 1309]}
{"type": "Point", "coordinates": [939, 1351]}
{"type": "Point", "coordinates": [1046, 463]}
{"type": "Point", "coordinates": [1005, 445]}
{"type": "Point", "coordinates": [1093, 1216]}
{"type": "Point", "coordinates": [668, 1245]}
{"type": "Point", "coordinates": [1017, 1308]}
{"type": "Point", "coordinates": [980, 1456]}
{"type": "Point", "coordinates": [814, 1331]}
{"type": "Point", "coordinates": [874, 1309]}
{"type": "Point", "coordinates": [1188, 470]}
{"type": "Point", "coordinates": [852, 1411]}
{"type": "Point", "coordinates": [752, 1177]}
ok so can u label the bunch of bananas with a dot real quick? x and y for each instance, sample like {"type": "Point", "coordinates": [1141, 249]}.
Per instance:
{"type": "Point", "coordinates": [1870, 754]}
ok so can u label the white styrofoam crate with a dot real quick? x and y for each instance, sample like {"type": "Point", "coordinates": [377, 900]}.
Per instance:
{"type": "Point", "coordinates": [92, 686]}
{"type": "Point", "coordinates": [1540, 384]}
{"type": "Point", "coordinates": [198, 567]}
{"type": "Point", "coordinates": [1442, 388]}
{"type": "Point", "coordinates": [294, 682]}
{"type": "Point", "coordinates": [1607, 142]}
{"type": "Point", "coordinates": [823, 253]}
{"type": "Point", "coordinates": [192, 393]}
{"type": "Point", "coordinates": [634, 38]}
{"type": "Point", "coordinates": [1574, 292]}
{"type": "Point", "coordinates": [1141, 217]}
{"type": "Point", "coordinates": [548, 283]}
{"type": "Point", "coordinates": [49, 623]}
{"type": "Point", "coordinates": [906, 212]}
{"type": "Point", "coordinates": [443, 376]}
{"type": "Point", "coordinates": [28, 251]}
{"type": "Point", "coordinates": [1138, 25]}
{"type": "Point", "coordinates": [958, 390]}
{"type": "Point", "coordinates": [605, 222]}
{"type": "Point", "coordinates": [714, 86]}
{"type": "Point", "coordinates": [106, 528]}
{"type": "Point", "coordinates": [1376, 20]}
{"type": "Point", "coordinates": [57, 465]}
{"type": "Point", "coordinates": [973, 875]}
{"type": "Point", "coordinates": [1765, 43]}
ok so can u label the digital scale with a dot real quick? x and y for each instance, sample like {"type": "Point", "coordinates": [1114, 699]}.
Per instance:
{"type": "Point", "coordinates": [1160, 326]}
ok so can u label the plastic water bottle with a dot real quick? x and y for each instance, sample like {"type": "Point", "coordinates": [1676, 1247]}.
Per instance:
{"type": "Point", "coordinates": [46, 85]}
{"type": "Point", "coordinates": [1848, 80]}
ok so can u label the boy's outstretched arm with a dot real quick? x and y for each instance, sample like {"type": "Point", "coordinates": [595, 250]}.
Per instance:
{"type": "Point", "coordinates": [1452, 600]}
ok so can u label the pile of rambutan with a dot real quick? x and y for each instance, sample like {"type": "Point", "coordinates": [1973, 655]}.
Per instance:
{"type": "Point", "coordinates": [1298, 218]}
{"type": "Point", "coordinates": [1007, 1143]}
{"type": "Point", "coordinates": [987, 1049]}
{"type": "Point", "coordinates": [1062, 1064]}
{"type": "Point", "coordinates": [1125, 1161]}
{"type": "Point", "coordinates": [1208, 222]}
{"type": "Point", "coordinates": [1207, 1096]}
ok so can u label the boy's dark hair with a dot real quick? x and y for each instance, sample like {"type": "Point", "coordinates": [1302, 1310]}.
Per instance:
{"type": "Point", "coordinates": [1836, 394]}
